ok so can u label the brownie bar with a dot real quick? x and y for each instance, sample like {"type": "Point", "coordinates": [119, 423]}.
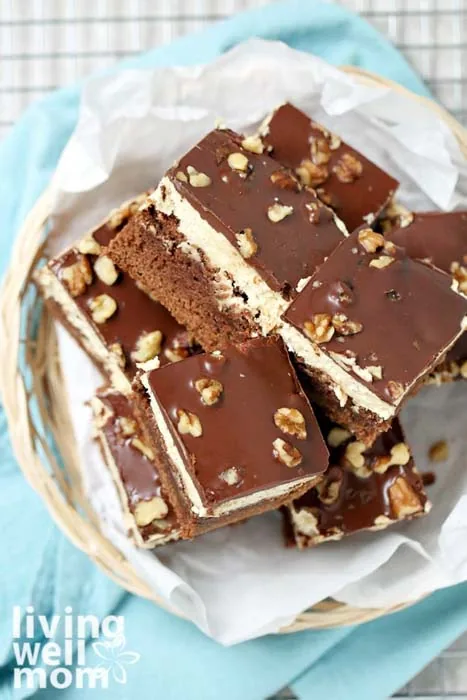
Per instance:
{"type": "Point", "coordinates": [440, 239]}
{"type": "Point", "coordinates": [227, 239]}
{"type": "Point", "coordinates": [368, 327]}
{"type": "Point", "coordinates": [112, 318]}
{"type": "Point", "coordinates": [352, 185]}
{"type": "Point", "coordinates": [363, 489]}
{"type": "Point", "coordinates": [131, 462]}
{"type": "Point", "coordinates": [234, 432]}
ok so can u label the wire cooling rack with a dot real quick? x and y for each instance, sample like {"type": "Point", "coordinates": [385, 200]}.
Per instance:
{"type": "Point", "coordinates": [46, 44]}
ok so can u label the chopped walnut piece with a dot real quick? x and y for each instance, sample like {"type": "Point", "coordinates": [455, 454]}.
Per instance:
{"type": "Point", "coordinates": [189, 424]}
{"type": "Point", "coordinates": [176, 354]}
{"type": "Point", "coordinates": [147, 511]}
{"type": "Point", "coordinates": [320, 328]}
{"type": "Point", "coordinates": [106, 270]}
{"type": "Point", "coordinates": [209, 389]}
{"type": "Point", "coordinates": [89, 246]}
{"type": "Point", "coordinates": [320, 151]}
{"type": "Point", "coordinates": [230, 476]}
{"type": "Point", "coordinates": [395, 389]}
{"type": "Point", "coordinates": [344, 326]}
{"type": "Point", "coordinates": [328, 490]}
{"type": "Point", "coordinates": [337, 436]}
{"type": "Point", "coordinates": [291, 421]}
{"type": "Point", "coordinates": [376, 371]}
{"type": "Point", "coordinates": [253, 144]}
{"type": "Point", "coordinates": [238, 161]}
{"type": "Point", "coordinates": [370, 240]}
{"type": "Point", "coordinates": [354, 453]}
{"type": "Point", "coordinates": [148, 346]}
{"type": "Point", "coordinates": [277, 212]}
{"type": "Point", "coordinates": [390, 247]}
{"type": "Point", "coordinates": [197, 179]}
{"type": "Point", "coordinates": [310, 174]}
{"type": "Point", "coordinates": [127, 426]}
{"type": "Point", "coordinates": [246, 243]}
{"type": "Point", "coordinates": [404, 500]}
{"type": "Point", "coordinates": [396, 216]}
{"type": "Point", "coordinates": [286, 453]}
{"type": "Point", "coordinates": [463, 370]}
{"type": "Point", "coordinates": [348, 168]}
{"type": "Point", "coordinates": [285, 180]}
{"type": "Point", "coordinates": [334, 141]}
{"type": "Point", "coordinates": [325, 197]}
{"type": "Point", "coordinates": [398, 456]}
{"type": "Point", "coordinates": [102, 308]}
{"type": "Point", "coordinates": [141, 446]}
{"type": "Point", "coordinates": [459, 273]}
{"type": "Point", "coordinates": [117, 351]}
{"type": "Point", "coordinates": [180, 175]}
{"type": "Point", "coordinates": [381, 262]}
{"type": "Point", "coordinates": [439, 451]}
{"type": "Point", "coordinates": [77, 276]}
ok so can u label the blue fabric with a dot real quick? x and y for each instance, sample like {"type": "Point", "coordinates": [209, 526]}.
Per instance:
{"type": "Point", "coordinates": [39, 567]}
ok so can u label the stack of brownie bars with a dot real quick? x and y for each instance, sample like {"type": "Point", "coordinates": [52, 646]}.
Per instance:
{"type": "Point", "coordinates": [261, 318]}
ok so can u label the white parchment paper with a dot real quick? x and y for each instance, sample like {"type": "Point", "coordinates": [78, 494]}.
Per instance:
{"type": "Point", "coordinates": [240, 582]}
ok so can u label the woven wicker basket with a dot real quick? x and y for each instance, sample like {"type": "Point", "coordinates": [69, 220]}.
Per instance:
{"type": "Point", "coordinates": [36, 407]}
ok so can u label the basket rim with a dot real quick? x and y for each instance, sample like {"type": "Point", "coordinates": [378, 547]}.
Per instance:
{"type": "Point", "coordinates": [57, 496]}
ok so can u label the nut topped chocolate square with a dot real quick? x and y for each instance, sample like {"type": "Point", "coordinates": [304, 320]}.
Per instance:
{"type": "Point", "coordinates": [236, 431]}
{"type": "Point", "coordinates": [230, 234]}
{"type": "Point", "coordinates": [352, 185]}
{"type": "Point", "coordinates": [113, 319]}
{"type": "Point", "coordinates": [149, 515]}
{"type": "Point", "coordinates": [372, 323]}
{"type": "Point", "coordinates": [440, 238]}
{"type": "Point", "coordinates": [365, 488]}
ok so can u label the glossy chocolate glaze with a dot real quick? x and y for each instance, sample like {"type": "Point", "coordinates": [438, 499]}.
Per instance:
{"type": "Point", "coordinates": [139, 475]}
{"type": "Point", "coordinates": [437, 237]}
{"type": "Point", "coordinates": [440, 238]}
{"type": "Point", "coordinates": [361, 500]}
{"type": "Point", "coordinates": [408, 311]}
{"type": "Point", "coordinates": [287, 250]}
{"type": "Point", "coordinates": [289, 134]}
{"type": "Point", "coordinates": [238, 431]}
{"type": "Point", "coordinates": [136, 313]}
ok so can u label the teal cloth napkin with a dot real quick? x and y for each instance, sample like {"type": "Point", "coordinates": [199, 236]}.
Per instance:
{"type": "Point", "coordinates": [40, 568]}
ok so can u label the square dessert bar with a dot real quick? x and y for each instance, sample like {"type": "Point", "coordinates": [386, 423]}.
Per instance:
{"type": "Point", "coordinates": [114, 321]}
{"type": "Point", "coordinates": [440, 239]}
{"type": "Point", "coordinates": [363, 489]}
{"type": "Point", "coordinates": [234, 433]}
{"type": "Point", "coordinates": [352, 185]}
{"type": "Point", "coordinates": [149, 517]}
{"type": "Point", "coordinates": [226, 239]}
{"type": "Point", "coordinates": [368, 327]}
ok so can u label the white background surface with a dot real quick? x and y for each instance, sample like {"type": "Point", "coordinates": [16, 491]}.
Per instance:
{"type": "Point", "coordinates": [49, 43]}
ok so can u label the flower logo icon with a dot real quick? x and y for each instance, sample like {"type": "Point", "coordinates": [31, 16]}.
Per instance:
{"type": "Point", "coordinates": [115, 658]}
